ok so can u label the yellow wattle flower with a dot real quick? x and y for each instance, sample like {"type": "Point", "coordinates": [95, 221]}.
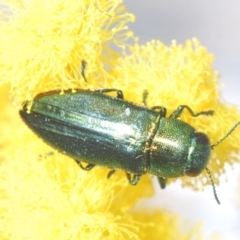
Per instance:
{"type": "Point", "coordinates": [43, 43]}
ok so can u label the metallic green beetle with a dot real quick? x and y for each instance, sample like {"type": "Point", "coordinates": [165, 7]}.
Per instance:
{"type": "Point", "coordinates": [96, 128]}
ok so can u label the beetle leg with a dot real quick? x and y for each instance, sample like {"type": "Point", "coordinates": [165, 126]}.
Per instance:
{"type": "Point", "coordinates": [144, 97]}
{"type": "Point", "coordinates": [162, 182]}
{"type": "Point", "coordinates": [107, 90]}
{"type": "Point", "coordinates": [133, 180]}
{"type": "Point", "coordinates": [162, 110]}
{"type": "Point", "coordinates": [110, 173]}
{"type": "Point", "coordinates": [177, 113]}
{"type": "Point", "coordinates": [46, 155]}
{"type": "Point", "coordinates": [83, 67]}
{"type": "Point", "coordinates": [88, 167]}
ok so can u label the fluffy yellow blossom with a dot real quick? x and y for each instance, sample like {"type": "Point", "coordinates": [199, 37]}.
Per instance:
{"type": "Point", "coordinates": [43, 42]}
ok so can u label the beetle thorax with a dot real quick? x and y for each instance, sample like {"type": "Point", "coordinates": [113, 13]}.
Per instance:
{"type": "Point", "coordinates": [177, 150]}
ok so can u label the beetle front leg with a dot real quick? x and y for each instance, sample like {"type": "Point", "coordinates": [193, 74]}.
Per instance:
{"type": "Point", "coordinates": [177, 113]}
{"type": "Point", "coordinates": [133, 180]}
{"type": "Point", "coordinates": [87, 168]}
{"type": "Point", "coordinates": [108, 90]}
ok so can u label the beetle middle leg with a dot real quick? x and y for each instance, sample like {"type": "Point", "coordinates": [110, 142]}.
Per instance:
{"type": "Point", "coordinates": [162, 110]}
{"type": "Point", "coordinates": [133, 179]}
{"type": "Point", "coordinates": [87, 168]}
{"type": "Point", "coordinates": [108, 90]}
{"type": "Point", "coordinates": [177, 113]}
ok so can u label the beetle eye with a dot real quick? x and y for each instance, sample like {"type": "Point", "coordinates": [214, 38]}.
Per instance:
{"type": "Point", "coordinates": [198, 154]}
{"type": "Point", "coordinates": [192, 172]}
{"type": "Point", "coordinates": [201, 138]}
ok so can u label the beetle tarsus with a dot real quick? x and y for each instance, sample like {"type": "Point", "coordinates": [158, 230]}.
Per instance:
{"type": "Point", "coordinates": [87, 168]}
{"type": "Point", "coordinates": [110, 173]}
{"type": "Point", "coordinates": [162, 182]}
{"type": "Point", "coordinates": [178, 112]}
{"type": "Point", "coordinates": [134, 179]}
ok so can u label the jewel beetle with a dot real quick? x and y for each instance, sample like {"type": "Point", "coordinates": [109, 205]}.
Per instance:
{"type": "Point", "coordinates": [99, 129]}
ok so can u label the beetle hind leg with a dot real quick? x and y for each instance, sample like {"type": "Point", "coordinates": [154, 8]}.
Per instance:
{"type": "Point", "coordinates": [133, 179]}
{"type": "Point", "coordinates": [86, 168]}
{"type": "Point", "coordinates": [83, 67]}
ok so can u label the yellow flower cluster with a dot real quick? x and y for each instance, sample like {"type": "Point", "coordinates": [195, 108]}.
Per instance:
{"type": "Point", "coordinates": [45, 195]}
{"type": "Point", "coordinates": [44, 42]}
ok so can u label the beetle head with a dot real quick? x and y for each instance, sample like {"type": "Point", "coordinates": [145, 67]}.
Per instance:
{"type": "Point", "coordinates": [198, 154]}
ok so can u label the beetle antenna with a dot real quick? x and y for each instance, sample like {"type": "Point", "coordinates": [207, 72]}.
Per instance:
{"type": "Point", "coordinates": [230, 131]}
{"type": "Point", "coordinates": [213, 185]}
